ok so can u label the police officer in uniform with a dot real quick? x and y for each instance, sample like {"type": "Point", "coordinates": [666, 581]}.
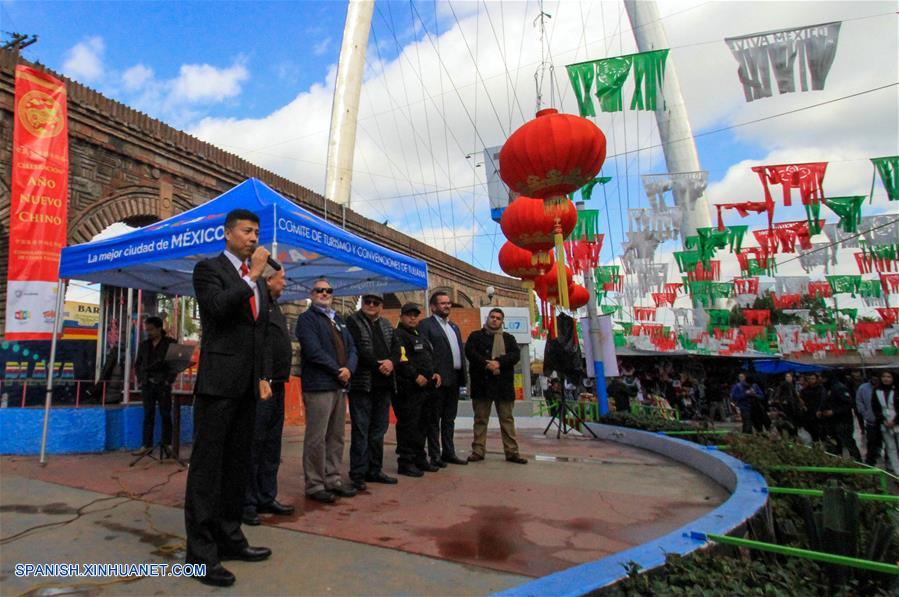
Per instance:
{"type": "Point", "coordinates": [413, 360]}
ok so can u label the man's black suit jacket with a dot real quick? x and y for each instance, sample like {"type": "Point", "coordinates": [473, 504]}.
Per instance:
{"type": "Point", "coordinates": [431, 329]}
{"type": "Point", "coordinates": [231, 344]}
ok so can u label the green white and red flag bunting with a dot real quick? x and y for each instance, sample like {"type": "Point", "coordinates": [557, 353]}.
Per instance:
{"type": "Point", "coordinates": [888, 168]}
{"type": "Point", "coordinates": [743, 208]}
{"type": "Point", "coordinates": [761, 54]}
{"type": "Point", "coordinates": [806, 178]}
{"type": "Point", "coordinates": [605, 78]}
{"type": "Point", "coordinates": [890, 283]}
{"type": "Point", "coordinates": [820, 289]}
{"type": "Point", "coordinates": [849, 209]}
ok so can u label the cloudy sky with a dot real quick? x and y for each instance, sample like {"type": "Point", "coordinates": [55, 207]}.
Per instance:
{"type": "Point", "coordinates": [444, 80]}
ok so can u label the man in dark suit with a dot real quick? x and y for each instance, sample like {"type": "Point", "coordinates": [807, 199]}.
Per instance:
{"type": "Point", "coordinates": [233, 316]}
{"type": "Point", "coordinates": [262, 488]}
{"type": "Point", "coordinates": [449, 352]}
{"type": "Point", "coordinates": [155, 378]}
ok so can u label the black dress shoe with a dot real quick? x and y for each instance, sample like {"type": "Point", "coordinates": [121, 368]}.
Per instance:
{"type": "Point", "coordinates": [276, 507]}
{"type": "Point", "coordinates": [216, 576]}
{"type": "Point", "coordinates": [251, 517]}
{"type": "Point", "coordinates": [410, 471]}
{"type": "Point", "coordinates": [517, 459]}
{"type": "Point", "coordinates": [359, 484]}
{"type": "Point", "coordinates": [381, 477]}
{"type": "Point", "coordinates": [438, 463]}
{"type": "Point", "coordinates": [428, 467]}
{"type": "Point", "coordinates": [248, 554]}
{"type": "Point", "coordinates": [475, 457]}
{"type": "Point", "coordinates": [342, 491]}
{"type": "Point", "coordinates": [454, 460]}
{"type": "Point", "coordinates": [325, 497]}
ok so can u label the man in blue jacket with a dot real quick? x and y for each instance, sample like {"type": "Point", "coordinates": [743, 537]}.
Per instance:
{"type": "Point", "coordinates": [328, 357]}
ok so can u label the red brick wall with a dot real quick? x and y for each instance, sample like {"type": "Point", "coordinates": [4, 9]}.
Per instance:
{"type": "Point", "coordinates": [468, 320]}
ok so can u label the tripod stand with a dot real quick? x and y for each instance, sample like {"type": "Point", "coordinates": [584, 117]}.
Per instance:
{"type": "Point", "coordinates": [164, 453]}
{"type": "Point", "coordinates": [560, 417]}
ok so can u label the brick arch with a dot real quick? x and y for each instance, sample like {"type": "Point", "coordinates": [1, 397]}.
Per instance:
{"type": "Point", "coordinates": [126, 203]}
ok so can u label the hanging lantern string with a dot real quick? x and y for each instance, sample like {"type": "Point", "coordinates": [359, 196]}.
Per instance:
{"type": "Point", "coordinates": [544, 66]}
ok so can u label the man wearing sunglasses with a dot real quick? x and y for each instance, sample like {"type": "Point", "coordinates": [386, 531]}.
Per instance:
{"type": "Point", "coordinates": [328, 357]}
{"type": "Point", "coordinates": [371, 389]}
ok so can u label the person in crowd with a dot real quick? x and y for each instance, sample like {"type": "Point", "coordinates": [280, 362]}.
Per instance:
{"type": "Point", "coordinates": [785, 402]}
{"type": "Point", "coordinates": [888, 402]}
{"type": "Point", "coordinates": [855, 381]}
{"type": "Point", "coordinates": [371, 391]}
{"type": "Point", "coordinates": [234, 318]}
{"type": "Point", "coordinates": [155, 378]}
{"type": "Point", "coordinates": [262, 487]}
{"type": "Point", "coordinates": [619, 393]}
{"type": "Point", "coordinates": [812, 395]}
{"type": "Point", "coordinates": [872, 414]}
{"type": "Point", "coordinates": [716, 394]}
{"type": "Point", "coordinates": [835, 414]}
{"type": "Point", "coordinates": [744, 394]}
{"type": "Point", "coordinates": [416, 376]}
{"type": "Point", "coordinates": [329, 358]}
{"type": "Point", "coordinates": [492, 355]}
{"type": "Point", "coordinates": [446, 341]}
{"type": "Point", "coordinates": [632, 383]}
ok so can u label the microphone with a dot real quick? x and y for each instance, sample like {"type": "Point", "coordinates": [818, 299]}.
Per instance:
{"type": "Point", "coordinates": [274, 264]}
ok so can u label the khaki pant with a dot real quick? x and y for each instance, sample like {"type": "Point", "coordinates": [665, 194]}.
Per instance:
{"type": "Point", "coordinates": [323, 439]}
{"type": "Point", "coordinates": [506, 426]}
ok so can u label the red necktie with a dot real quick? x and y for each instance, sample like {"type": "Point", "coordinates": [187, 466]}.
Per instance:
{"type": "Point", "coordinates": [244, 271]}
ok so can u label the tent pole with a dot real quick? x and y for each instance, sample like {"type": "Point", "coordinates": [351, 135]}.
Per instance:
{"type": "Point", "coordinates": [275, 233]}
{"type": "Point", "coordinates": [48, 398]}
{"type": "Point", "coordinates": [126, 384]}
{"type": "Point", "coordinates": [101, 334]}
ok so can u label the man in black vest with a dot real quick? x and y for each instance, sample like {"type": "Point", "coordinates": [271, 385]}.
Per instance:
{"type": "Point", "coordinates": [155, 379]}
{"type": "Point", "coordinates": [371, 389]}
{"type": "Point", "coordinates": [233, 315]}
{"type": "Point", "coordinates": [449, 355]}
{"type": "Point", "coordinates": [262, 488]}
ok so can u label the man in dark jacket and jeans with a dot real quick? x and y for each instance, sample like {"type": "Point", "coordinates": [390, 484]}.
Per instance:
{"type": "Point", "coordinates": [328, 357]}
{"type": "Point", "coordinates": [492, 355]}
{"type": "Point", "coordinates": [371, 389]}
{"type": "Point", "coordinates": [155, 379]}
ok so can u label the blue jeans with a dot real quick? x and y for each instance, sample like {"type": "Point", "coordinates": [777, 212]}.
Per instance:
{"type": "Point", "coordinates": [369, 418]}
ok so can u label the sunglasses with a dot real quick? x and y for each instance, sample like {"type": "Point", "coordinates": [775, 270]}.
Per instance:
{"type": "Point", "coordinates": [374, 302]}
{"type": "Point", "coordinates": [323, 290]}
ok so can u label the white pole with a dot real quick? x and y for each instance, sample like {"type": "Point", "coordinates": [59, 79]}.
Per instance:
{"type": "Point", "coordinates": [675, 132]}
{"type": "Point", "coordinates": [595, 338]}
{"type": "Point", "coordinates": [345, 108]}
{"type": "Point", "coordinates": [126, 386]}
{"type": "Point", "coordinates": [48, 398]}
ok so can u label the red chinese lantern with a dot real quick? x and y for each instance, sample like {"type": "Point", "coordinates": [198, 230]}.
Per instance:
{"type": "Point", "coordinates": [578, 296]}
{"type": "Point", "coordinates": [547, 285]}
{"type": "Point", "coordinates": [520, 263]}
{"type": "Point", "coordinates": [550, 156]}
{"type": "Point", "coordinates": [527, 225]}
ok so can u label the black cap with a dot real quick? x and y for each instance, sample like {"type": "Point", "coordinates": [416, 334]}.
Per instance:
{"type": "Point", "coordinates": [410, 308]}
{"type": "Point", "coordinates": [373, 294]}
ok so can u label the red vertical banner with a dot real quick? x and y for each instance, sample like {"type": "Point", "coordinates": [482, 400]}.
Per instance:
{"type": "Point", "coordinates": [39, 197]}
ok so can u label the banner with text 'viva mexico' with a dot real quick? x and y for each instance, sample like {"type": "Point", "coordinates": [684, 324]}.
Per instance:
{"type": "Point", "coordinates": [39, 196]}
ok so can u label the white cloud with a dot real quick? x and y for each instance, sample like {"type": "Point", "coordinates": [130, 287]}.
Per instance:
{"type": "Point", "coordinates": [135, 77]}
{"type": "Point", "coordinates": [205, 83]}
{"type": "Point", "coordinates": [321, 47]}
{"type": "Point", "coordinates": [84, 60]}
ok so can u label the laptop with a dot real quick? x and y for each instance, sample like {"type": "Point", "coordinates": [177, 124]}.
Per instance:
{"type": "Point", "coordinates": [179, 357]}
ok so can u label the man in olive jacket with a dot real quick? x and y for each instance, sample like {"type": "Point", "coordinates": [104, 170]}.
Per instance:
{"type": "Point", "coordinates": [492, 355]}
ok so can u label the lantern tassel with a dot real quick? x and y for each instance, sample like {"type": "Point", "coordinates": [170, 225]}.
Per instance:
{"type": "Point", "coordinates": [561, 273]}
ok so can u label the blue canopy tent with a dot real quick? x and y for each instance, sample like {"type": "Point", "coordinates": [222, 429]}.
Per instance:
{"type": "Point", "coordinates": [161, 257]}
